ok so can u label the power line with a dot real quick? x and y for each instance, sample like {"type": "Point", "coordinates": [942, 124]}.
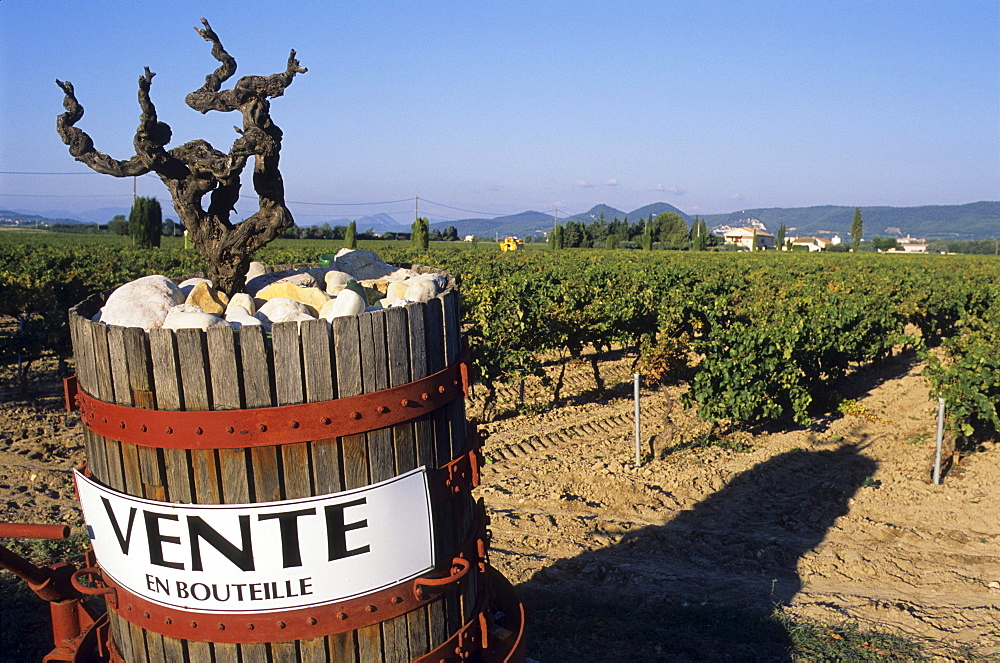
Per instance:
{"type": "Point", "coordinates": [25, 172]}
{"type": "Point", "coordinates": [245, 197]}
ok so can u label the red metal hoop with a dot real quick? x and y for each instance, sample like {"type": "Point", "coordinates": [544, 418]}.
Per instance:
{"type": "Point", "coordinates": [256, 427]}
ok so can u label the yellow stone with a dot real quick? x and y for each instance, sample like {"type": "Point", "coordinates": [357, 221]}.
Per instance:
{"type": "Point", "coordinates": [312, 297]}
{"type": "Point", "coordinates": [208, 299]}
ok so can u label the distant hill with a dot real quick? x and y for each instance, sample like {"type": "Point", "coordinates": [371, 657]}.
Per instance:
{"type": "Point", "coordinates": [979, 220]}
{"type": "Point", "coordinates": [537, 223]}
{"type": "Point", "coordinates": [23, 219]}
{"type": "Point", "coordinates": [378, 223]}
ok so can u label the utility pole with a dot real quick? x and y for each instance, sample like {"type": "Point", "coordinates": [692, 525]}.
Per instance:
{"type": "Point", "coordinates": [416, 208]}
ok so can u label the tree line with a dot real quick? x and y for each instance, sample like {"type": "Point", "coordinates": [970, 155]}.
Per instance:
{"type": "Point", "coordinates": [667, 231]}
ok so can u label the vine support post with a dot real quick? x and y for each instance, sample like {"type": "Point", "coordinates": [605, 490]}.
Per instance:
{"type": "Point", "coordinates": [938, 442]}
{"type": "Point", "coordinates": [638, 437]}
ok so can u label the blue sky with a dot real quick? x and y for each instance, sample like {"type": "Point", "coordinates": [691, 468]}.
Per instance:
{"type": "Point", "coordinates": [501, 107]}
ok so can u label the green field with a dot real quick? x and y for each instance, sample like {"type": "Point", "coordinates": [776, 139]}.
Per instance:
{"type": "Point", "coordinates": [771, 331]}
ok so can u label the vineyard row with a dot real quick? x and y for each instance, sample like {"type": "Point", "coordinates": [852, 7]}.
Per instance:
{"type": "Point", "coordinates": [771, 332]}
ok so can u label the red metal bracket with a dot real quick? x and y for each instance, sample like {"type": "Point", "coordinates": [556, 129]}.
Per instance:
{"type": "Point", "coordinates": [287, 424]}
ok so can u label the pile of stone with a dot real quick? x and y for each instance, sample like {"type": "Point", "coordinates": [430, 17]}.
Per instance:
{"type": "Point", "coordinates": [356, 281]}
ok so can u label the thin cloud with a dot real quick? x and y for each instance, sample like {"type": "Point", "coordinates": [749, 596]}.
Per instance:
{"type": "Point", "coordinates": [583, 184]}
{"type": "Point", "coordinates": [673, 189]}
{"type": "Point", "coordinates": [612, 182]}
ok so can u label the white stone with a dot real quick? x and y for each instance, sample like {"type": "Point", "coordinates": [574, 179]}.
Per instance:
{"type": "Point", "coordinates": [335, 280]}
{"type": "Point", "coordinates": [188, 285]}
{"type": "Point", "coordinates": [421, 291]}
{"type": "Point", "coordinates": [141, 303]}
{"type": "Point", "coordinates": [366, 265]}
{"type": "Point", "coordinates": [256, 269]}
{"type": "Point", "coordinates": [281, 309]}
{"type": "Point", "coordinates": [178, 318]}
{"type": "Point", "coordinates": [347, 302]}
{"type": "Point", "coordinates": [397, 290]}
{"type": "Point", "coordinates": [244, 301]}
{"type": "Point", "coordinates": [238, 316]}
{"type": "Point", "coordinates": [296, 276]}
{"type": "Point", "coordinates": [439, 280]}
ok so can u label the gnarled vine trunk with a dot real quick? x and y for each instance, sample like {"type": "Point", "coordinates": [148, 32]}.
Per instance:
{"type": "Point", "coordinates": [196, 169]}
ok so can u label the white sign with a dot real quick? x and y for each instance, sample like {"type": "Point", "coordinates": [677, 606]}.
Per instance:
{"type": "Point", "coordinates": [245, 558]}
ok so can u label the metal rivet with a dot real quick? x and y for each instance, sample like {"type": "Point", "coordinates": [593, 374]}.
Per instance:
{"type": "Point", "coordinates": [442, 389]}
{"type": "Point", "coordinates": [397, 599]}
{"type": "Point", "coordinates": [281, 624]}
{"type": "Point", "coordinates": [327, 421]}
{"type": "Point", "coordinates": [295, 424]}
{"type": "Point", "coordinates": [341, 616]}
{"type": "Point", "coordinates": [230, 429]}
{"type": "Point", "coordinates": [146, 615]}
{"type": "Point", "coordinates": [311, 621]}
{"type": "Point", "coordinates": [198, 430]}
{"type": "Point", "coordinates": [355, 415]}
{"type": "Point", "coordinates": [381, 409]}
{"type": "Point", "coordinates": [222, 627]}
{"type": "Point", "coordinates": [425, 396]}
{"type": "Point", "coordinates": [128, 607]}
{"type": "Point", "coordinates": [143, 428]}
{"type": "Point", "coordinates": [406, 402]}
{"type": "Point", "coordinates": [169, 430]}
{"type": "Point", "coordinates": [370, 608]}
{"type": "Point", "coordinates": [250, 627]}
{"type": "Point", "coordinates": [167, 620]}
{"type": "Point", "coordinates": [194, 624]}
{"type": "Point", "coordinates": [104, 420]}
{"type": "Point", "coordinates": [262, 428]}
{"type": "Point", "coordinates": [121, 424]}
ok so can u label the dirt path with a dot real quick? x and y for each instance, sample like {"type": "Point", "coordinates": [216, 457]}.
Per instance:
{"type": "Point", "coordinates": [835, 522]}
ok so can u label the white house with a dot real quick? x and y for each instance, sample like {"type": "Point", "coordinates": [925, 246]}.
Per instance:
{"type": "Point", "coordinates": [812, 243]}
{"type": "Point", "coordinates": [910, 245]}
{"type": "Point", "coordinates": [746, 237]}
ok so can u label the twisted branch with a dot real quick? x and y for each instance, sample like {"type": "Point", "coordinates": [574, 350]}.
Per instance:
{"type": "Point", "coordinates": [196, 168]}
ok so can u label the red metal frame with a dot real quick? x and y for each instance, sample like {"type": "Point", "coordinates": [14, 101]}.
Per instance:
{"type": "Point", "coordinates": [79, 635]}
{"type": "Point", "coordinates": [256, 427]}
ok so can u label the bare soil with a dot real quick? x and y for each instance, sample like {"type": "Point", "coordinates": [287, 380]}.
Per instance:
{"type": "Point", "coordinates": [684, 556]}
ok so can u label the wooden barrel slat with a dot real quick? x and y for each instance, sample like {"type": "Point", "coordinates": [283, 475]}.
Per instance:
{"type": "Point", "coordinates": [173, 650]}
{"type": "Point", "coordinates": [284, 652]}
{"type": "Point", "coordinates": [413, 625]}
{"type": "Point", "coordinates": [360, 376]}
{"type": "Point", "coordinates": [166, 376]}
{"type": "Point", "coordinates": [224, 372]}
{"type": "Point", "coordinates": [288, 386]}
{"type": "Point", "coordinates": [354, 449]}
{"type": "Point", "coordinates": [319, 384]}
{"type": "Point", "coordinates": [257, 390]}
{"type": "Point", "coordinates": [375, 377]}
{"type": "Point", "coordinates": [221, 652]}
{"type": "Point", "coordinates": [313, 650]}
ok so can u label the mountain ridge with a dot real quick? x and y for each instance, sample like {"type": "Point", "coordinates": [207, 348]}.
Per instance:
{"type": "Point", "coordinates": [976, 220]}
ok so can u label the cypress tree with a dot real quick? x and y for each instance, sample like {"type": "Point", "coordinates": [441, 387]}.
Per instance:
{"type": "Point", "coordinates": [420, 234]}
{"type": "Point", "coordinates": [145, 223]}
{"type": "Point", "coordinates": [351, 236]}
{"type": "Point", "coordinates": [857, 229]}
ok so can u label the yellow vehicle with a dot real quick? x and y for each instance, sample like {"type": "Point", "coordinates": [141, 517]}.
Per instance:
{"type": "Point", "coordinates": [511, 244]}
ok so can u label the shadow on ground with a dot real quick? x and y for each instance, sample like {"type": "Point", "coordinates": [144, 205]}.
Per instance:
{"type": "Point", "coordinates": [703, 586]}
